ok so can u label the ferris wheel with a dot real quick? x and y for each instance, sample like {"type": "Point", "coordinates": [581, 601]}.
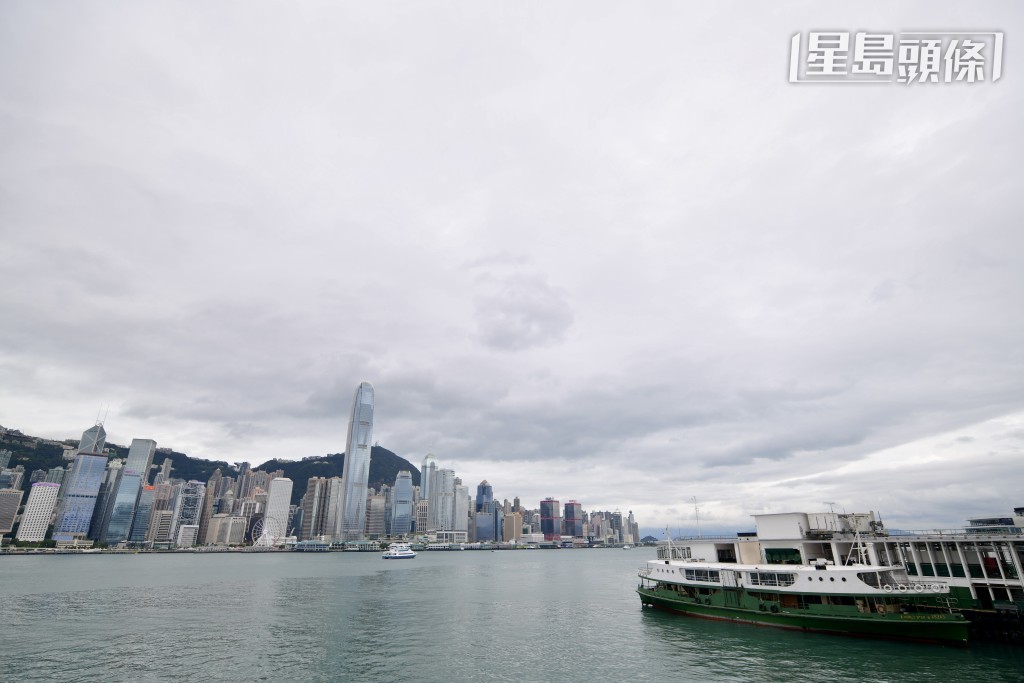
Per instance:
{"type": "Point", "coordinates": [267, 533]}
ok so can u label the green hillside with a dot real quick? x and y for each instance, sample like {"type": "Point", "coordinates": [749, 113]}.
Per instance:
{"type": "Point", "coordinates": [34, 453]}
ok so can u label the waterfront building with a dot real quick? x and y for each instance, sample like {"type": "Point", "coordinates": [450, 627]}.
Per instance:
{"type": "Point", "coordinates": [187, 536]}
{"type": "Point", "coordinates": [422, 515]}
{"type": "Point", "coordinates": [187, 505]}
{"type": "Point", "coordinates": [35, 520]}
{"type": "Point", "coordinates": [161, 527]}
{"type": "Point", "coordinates": [209, 500]}
{"type": "Point", "coordinates": [634, 528]}
{"type": "Point", "coordinates": [275, 520]}
{"type": "Point", "coordinates": [375, 506]}
{"type": "Point", "coordinates": [78, 501]}
{"type": "Point", "coordinates": [512, 528]}
{"type": "Point", "coordinates": [402, 505]}
{"type": "Point", "coordinates": [442, 505]}
{"type": "Point", "coordinates": [573, 520]}
{"type": "Point", "coordinates": [616, 526]}
{"type": "Point", "coordinates": [461, 508]}
{"type": "Point", "coordinates": [332, 522]}
{"type": "Point", "coordinates": [356, 473]}
{"type": "Point", "coordinates": [226, 530]}
{"type": "Point", "coordinates": [550, 520]}
{"type": "Point", "coordinates": [140, 520]}
{"type": "Point", "coordinates": [105, 499]}
{"type": "Point", "coordinates": [10, 501]}
{"type": "Point", "coordinates": [314, 509]}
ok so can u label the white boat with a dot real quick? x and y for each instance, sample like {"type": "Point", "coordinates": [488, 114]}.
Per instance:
{"type": "Point", "coordinates": [398, 551]}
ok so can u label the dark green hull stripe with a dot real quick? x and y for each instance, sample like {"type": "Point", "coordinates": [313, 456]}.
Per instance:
{"type": "Point", "coordinates": [926, 628]}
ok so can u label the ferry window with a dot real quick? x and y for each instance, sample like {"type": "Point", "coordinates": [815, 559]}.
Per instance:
{"type": "Point", "coordinates": [701, 575]}
{"type": "Point", "coordinates": [772, 579]}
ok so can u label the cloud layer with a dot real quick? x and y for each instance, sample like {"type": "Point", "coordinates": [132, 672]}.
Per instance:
{"type": "Point", "coordinates": [590, 251]}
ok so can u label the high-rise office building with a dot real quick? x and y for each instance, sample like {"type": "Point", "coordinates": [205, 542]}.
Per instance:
{"type": "Point", "coordinates": [356, 473]}
{"type": "Point", "coordinates": [428, 472]}
{"type": "Point", "coordinates": [550, 520]}
{"type": "Point", "coordinates": [105, 499]}
{"type": "Point", "coordinates": [460, 512]}
{"type": "Point", "coordinates": [93, 440]}
{"type": "Point", "coordinates": [5, 458]}
{"type": "Point", "coordinates": [573, 520]}
{"type": "Point", "coordinates": [82, 486]}
{"type": "Point", "coordinates": [484, 495]}
{"type": "Point", "coordinates": [314, 509]}
{"type": "Point", "coordinates": [443, 501]}
{"type": "Point", "coordinates": [402, 507]}
{"type": "Point", "coordinates": [375, 506]}
{"type": "Point", "coordinates": [143, 510]}
{"type": "Point", "coordinates": [10, 501]}
{"type": "Point", "coordinates": [125, 496]}
{"type": "Point", "coordinates": [35, 520]}
{"type": "Point", "coordinates": [275, 519]}
{"type": "Point", "coordinates": [188, 508]}
{"type": "Point", "coordinates": [332, 520]}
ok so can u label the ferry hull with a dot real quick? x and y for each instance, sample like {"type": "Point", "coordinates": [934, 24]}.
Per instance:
{"type": "Point", "coordinates": [933, 628]}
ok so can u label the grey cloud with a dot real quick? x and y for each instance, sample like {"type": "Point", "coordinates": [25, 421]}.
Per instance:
{"type": "Point", "coordinates": [576, 253]}
{"type": "Point", "coordinates": [520, 311]}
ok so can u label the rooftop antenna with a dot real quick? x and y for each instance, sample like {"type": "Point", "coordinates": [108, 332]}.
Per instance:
{"type": "Point", "coordinates": [831, 508]}
{"type": "Point", "coordinates": [696, 512]}
{"type": "Point", "coordinates": [105, 411]}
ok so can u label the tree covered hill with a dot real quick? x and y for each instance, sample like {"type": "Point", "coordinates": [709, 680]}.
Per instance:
{"type": "Point", "coordinates": [34, 453]}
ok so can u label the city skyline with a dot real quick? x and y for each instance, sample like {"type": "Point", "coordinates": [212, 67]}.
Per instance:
{"type": "Point", "coordinates": [602, 250]}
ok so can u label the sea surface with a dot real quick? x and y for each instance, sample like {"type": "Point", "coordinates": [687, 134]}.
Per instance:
{"type": "Point", "coordinates": [524, 615]}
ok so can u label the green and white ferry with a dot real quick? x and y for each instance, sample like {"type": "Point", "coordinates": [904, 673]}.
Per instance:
{"type": "Point", "coordinates": [853, 599]}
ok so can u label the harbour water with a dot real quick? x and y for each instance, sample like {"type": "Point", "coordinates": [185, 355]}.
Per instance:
{"type": "Point", "coordinates": [558, 615]}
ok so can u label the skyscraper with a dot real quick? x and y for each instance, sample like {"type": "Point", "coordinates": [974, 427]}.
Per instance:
{"type": "Point", "coordinates": [188, 507]}
{"type": "Point", "coordinates": [573, 519]}
{"type": "Point", "coordinates": [140, 520]}
{"type": "Point", "coordinates": [81, 486]}
{"type": "Point", "coordinates": [484, 495]}
{"type": "Point", "coordinates": [36, 518]}
{"type": "Point", "coordinates": [550, 520]}
{"type": "Point", "coordinates": [356, 473]}
{"type": "Point", "coordinates": [275, 519]}
{"type": "Point", "coordinates": [10, 501]}
{"type": "Point", "coordinates": [133, 476]}
{"type": "Point", "coordinates": [402, 510]}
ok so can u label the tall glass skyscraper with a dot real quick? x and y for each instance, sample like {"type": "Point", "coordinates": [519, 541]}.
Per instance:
{"type": "Point", "coordinates": [401, 514]}
{"type": "Point", "coordinates": [550, 520]}
{"type": "Point", "coordinates": [82, 486]}
{"type": "Point", "coordinates": [133, 478]}
{"type": "Point", "coordinates": [356, 474]}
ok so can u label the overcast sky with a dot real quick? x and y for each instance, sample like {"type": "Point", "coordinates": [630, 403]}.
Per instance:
{"type": "Point", "coordinates": [595, 251]}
